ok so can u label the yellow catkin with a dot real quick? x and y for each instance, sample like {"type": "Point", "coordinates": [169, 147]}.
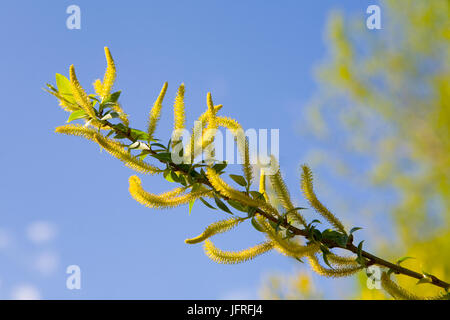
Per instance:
{"type": "Point", "coordinates": [188, 152]}
{"type": "Point", "coordinates": [399, 293]}
{"type": "Point", "coordinates": [110, 74]}
{"type": "Point", "coordinates": [77, 130]}
{"type": "Point", "coordinates": [166, 200]}
{"type": "Point", "coordinates": [286, 246]}
{"type": "Point", "coordinates": [224, 189]}
{"type": "Point", "coordinates": [178, 109]}
{"type": "Point", "coordinates": [98, 87]}
{"type": "Point", "coordinates": [80, 95]}
{"type": "Point", "coordinates": [117, 150]}
{"type": "Point", "coordinates": [242, 144]}
{"type": "Point", "coordinates": [208, 136]}
{"type": "Point", "coordinates": [155, 112]}
{"type": "Point", "coordinates": [67, 106]}
{"type": "Point", "coordinates": [283, 195]}
{"type": "Point", "coordinates": [308, 191]}
{"type": "Point", "coordinates": [232, 257]}
{"type": "Point", "coordinates": [262, 184]}
{"type": "Point", "coordinates": [215, 228]}
{"type": "Point", "coordinates": [335, 273]}
{"type": "Point", "coordinates": [342, 261]}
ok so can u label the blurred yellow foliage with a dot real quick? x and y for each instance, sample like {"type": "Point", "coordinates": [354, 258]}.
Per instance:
{"type": "Point", "coordinates": [390, 89]}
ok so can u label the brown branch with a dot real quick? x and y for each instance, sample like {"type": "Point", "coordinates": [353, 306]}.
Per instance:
{"type": "Point", "coordinates": [372, 259]}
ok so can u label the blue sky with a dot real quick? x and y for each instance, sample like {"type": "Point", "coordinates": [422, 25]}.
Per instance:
{"type": "Point", "coordinates": [63, 202]}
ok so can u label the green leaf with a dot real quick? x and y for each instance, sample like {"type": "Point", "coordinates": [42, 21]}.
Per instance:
{"type": "Point", "coordinates": [355, 229]}
{"type": "Point", "coordinates": [113, 97]}
{"type": "Point", "coordinates": [163, 156]}
{"type": "Point", "coordinates": [139, 135]}
{"type": "Point", "coordinates": [207, 204]}
{"type": "Point", "coordinates": [325, 253]}
{"type": "Point", "coordinates": [360, 249]}
{"type": "Point", "coordinates": [257, 196]}
{"type": "Point", "coordinates": [174, 176]}
{"type": "Point", "coordinates": [312, 222]}
{"type": "Point", "coordinates": [237, 205]}
{"type": "Point", "coordinates": [191, 204]}
{"type": "Point", "coordinates": [425, 279]}
{"type": "Point", "coordinates": [75, 115]}
{"type": "Point", "coordinates": [316, 235]}
{"type": "Point", "coordinates": [222, 205]}
{"type": "Point", "coordinates": [168, 175]}
{"type": "Point", "coordinates": [299, 260]}
{"type": "Point", "coordinates": [360, 259]}
{"type": "Point", "coordinates": [220, 166]}
{"type": "Point", "coordinates": [399, 261]}
{"type": "Point", "coordinates": [295, 209]}
{"type": "Point", "coordinates": [256, 225]}
{"type": "Point", "coordinates": [51, 88]}
{"type": "Point", "coordinates": [251, 211]}
{"type": "Point", "coordinates": [159, 145]}
{"type": "Point", "coordinates": [239, 179]}
{"type": "Point", "coordinates": [64, 88]}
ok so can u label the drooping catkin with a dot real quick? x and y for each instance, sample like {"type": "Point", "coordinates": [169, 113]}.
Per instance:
{"type": "Point", "coordinates": [335, 273]}
{"type": "Point", "coordinates": [224, 189]}
{"type": "Point", "coordinates": [232, 257]}
{"type": "Point", "coordinates": [117, 150]}
{"type": "Point", "coordinates": [399, 293]}
{"type": "Point", "coordinates": [286, 246]}
{"type": "Point", "coordinates": [308, 191]}
{"type": "Point", "coordinates": [169, 199]}
{"type": "Point", "coordinates": [283, 194]}
{"type": "Point", "coordinates": [215, 228]}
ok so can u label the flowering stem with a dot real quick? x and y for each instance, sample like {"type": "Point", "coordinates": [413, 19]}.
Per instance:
{"type": "Point", "coordinates": [372, 259]}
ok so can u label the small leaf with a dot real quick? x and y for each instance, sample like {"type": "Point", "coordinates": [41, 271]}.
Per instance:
{"type": "Point", "coordinates": [64, 88]}
{"type": "Point", "coordinates": [239, 179]}
{"type": "Point", "coordinates": [220, 166]}
{"type": "Point", "coordinates": [191, 204]}
{"type": "Point", "coordinates": [295, 209]}
{"type": "Point", "coordinates": [113, 97]}
{"type": "Point", "coordinates": [237, 205]}
{"type": "Point", "coordinates": [256, 225]}
{"type": "Point", "coordinates": [207, 204]}
{"type": "Point", "coordinates": [355, 229]}
{"type": "Point", "coordinates": [325, 252]}
{"type": "Point", "coordinates": [316, 235]}
{"type": "Point", "coordinates": [159, 145]}
{"type": "Point", "coordinates": [139, 135]}
{"type": "Point", "coordinates": [168, 175]}
{"type": "Point", "coordinates": [163, 156]}
{"type": "Point", "coordinates": [75, 115]}
{"type": "Point", "coordinates": [222, 205]}
{"type": "Point", "coordinates": [425, 279]}
{"type": "Point", "coordinates": [251, 211]}
{"type": "Point", "coordinates": [399, 261]}
{"type": "Point", "coordinates": [257, 195]}
{"type": "Point", "coordinates": [360, 248]}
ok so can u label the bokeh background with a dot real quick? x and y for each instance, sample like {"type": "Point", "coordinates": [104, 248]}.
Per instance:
{"type": "Point", "coordinates": [367, 109]}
